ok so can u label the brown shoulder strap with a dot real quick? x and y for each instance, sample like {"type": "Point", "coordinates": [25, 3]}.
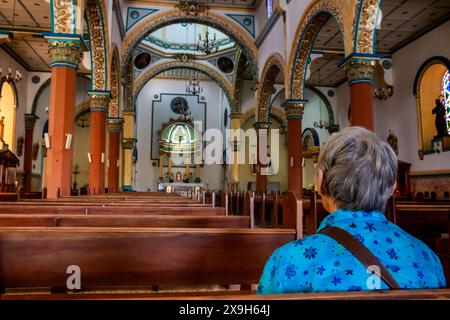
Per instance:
{"type": "Point", "coordinates": [360, 252]}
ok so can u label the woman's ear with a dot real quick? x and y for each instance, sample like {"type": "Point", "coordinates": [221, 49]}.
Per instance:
{"type": "Point", "coordinates": [394, 188]}
{"type": "Point", "coordinates": [319, 182]}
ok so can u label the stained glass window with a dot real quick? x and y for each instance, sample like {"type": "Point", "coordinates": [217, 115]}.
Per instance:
{"type": "Point", "coordinates": [269, 4]}
{"type": "Point", "coordinates": [446, 95]}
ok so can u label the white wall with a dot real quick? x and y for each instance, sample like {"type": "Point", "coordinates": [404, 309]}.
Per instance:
{"type": "Point", "coordinates": [146, 174]}
{"type": "Point", "coordinates": [399, 112]}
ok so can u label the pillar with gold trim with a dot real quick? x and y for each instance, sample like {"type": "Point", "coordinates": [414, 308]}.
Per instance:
{"type": "Point", "coordinates": [99, 101]}
{"type": "Point", "coordinates": [114, 130]}
{"type": "Point", "coordinates": [128, 143]}
{"type": "Point", "coordinates": [294, 113]}
{"type": "Point", "coordinates": [262, 129]}
{"type": "Point", "coordinates": [65, 55]}
{"type": "Point", "coordinates": [360, 70]}
{"type": "Point", "coordinates": [235, 124]}
{"type": "Point", "coordinates": [30, 121]}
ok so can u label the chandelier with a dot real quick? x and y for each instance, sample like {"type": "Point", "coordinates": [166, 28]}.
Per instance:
{"type": "Point", "coordinates": [194, 87]}
{"type": "Point", "coordinates": [207, 45]}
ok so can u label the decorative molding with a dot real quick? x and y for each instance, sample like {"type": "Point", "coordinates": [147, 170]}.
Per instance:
{"type": "Point", "coordinates": [30, 121]}
{"type": "Point", "coordinates": [65, 53]}
{"type": "Point", "coordinates": [247, 21]}
{"type": "Point", "coordinates": [214, 20]}
{"type": "Point", "coordinates": [295, 109]}
{"type": "Point", "coordinates": [99, 100]}
{"type": "Point", "coordinates": [169, 65]}
{"type": "Point", "coordinates": [118, 13]}
{"type": "Point", "coordinates": [115, 84]}
{"type": "Point", "coordinates": [360, 69]}
{"type": "Point", "coordinates": [192, 8]}
{"type": "Point", "coordinates": [136, 14]}
{"type": "Point", "coordinates": [115, 125]}
{"type": "Point", "coordinates": [128, 143]}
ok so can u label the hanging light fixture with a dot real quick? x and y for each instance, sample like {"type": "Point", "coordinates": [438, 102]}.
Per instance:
{"type": "Point", "coordinates": [205, 43]}
{"type": "Point", "coordinates": [193, 87]}
{"type": "Point", "coordinates": [10, 75]}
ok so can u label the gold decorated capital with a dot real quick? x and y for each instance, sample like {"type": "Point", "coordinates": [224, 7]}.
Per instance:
{"type": "Point", "coordinates": [99, 100]}
{"type": "Point", "coordinates": [128, 143]}
{"type": "Point", "coordinates": [115, 125]}
{"type": "Point", "coordinates": [360, 69]}
{"type": "Point", "coordinates": [30, 121]}
{"type": "Point", "coordinates": [65, 53]}
{"type": "Point", "coordinates": [262, 125]}
{"type": "Point", "coordinates": [295, 109]}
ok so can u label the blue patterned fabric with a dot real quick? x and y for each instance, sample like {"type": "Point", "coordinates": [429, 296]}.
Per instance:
{"type": "Point", "coordinates": [318, 263]}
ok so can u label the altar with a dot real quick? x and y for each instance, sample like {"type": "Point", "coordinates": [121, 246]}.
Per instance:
{"type": "Point", "coordinates": [170, 187]}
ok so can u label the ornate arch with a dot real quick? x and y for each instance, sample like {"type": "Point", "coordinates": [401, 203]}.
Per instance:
{"type": "Point", "coordinates": [115, 84]}
{"type": "Point", "coordinates": [273, 67]}
{"type": "Point", "coordinates": [325, 101]}
{"type": "Point", "coordinates": [313, 19]}
{"type": "Point", "coordinates": [367, 16]}
{"type": "Point", "coordinates": [175, 64]}
{"type": "Point", "coordinates": [168, 17]}
{"type": "Point", "coordinates": [67, 19]}
{"type": "Point", "coordinates": [239, 70]}
{"type": "Point", "coordinates": [97, 27]}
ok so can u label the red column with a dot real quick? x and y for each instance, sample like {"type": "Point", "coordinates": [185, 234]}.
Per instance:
{"type": "Point", "coordinates": [99, 107]}
{"type": "Point", "coordinates": [65, 54]}
{"type": "Point", "coordinates": [114, 128]}
{"type": "Point", "coordinates": [360, 71]}
{"type": "Point", "coordinates": [261, 178]}
{"type": "Point", "coordinates": [294, 112]}
{"type": "Point", "coordinates": [30, 121]}
{"type": "Point", "coordinates": [58, 173]}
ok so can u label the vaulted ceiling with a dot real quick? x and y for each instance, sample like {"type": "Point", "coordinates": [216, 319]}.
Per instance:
{"type": "Point", "coordinates": [403, 22]}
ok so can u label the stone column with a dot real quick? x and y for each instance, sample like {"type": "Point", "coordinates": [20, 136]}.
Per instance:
{"type": "Point", "coordinates": [99, 101]}
{"type": "Point", "coordinates": [235, 124]}
{"type": "Point", "coordinates": [114, 129]}
{"type": "Point", "coordinates": [128, 143]}
{"type": "Point", "coordinates": [360, 78]}
{"type": "Point", "coordinates": [30, 121]}
{"type": "Point", "coordinates": [261, 177]}
{"type": "Point", "coordinates": [294, 114]}
{"type": "Point", "coordinates": [65, 54]}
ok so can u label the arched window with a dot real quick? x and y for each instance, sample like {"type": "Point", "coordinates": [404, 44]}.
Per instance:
{"type": "Point", "coordinates": [269, 5]}
{"type": "Point", "coordinates": [446, 97]}
{"type": "Point", "coordinates": [8, 101]}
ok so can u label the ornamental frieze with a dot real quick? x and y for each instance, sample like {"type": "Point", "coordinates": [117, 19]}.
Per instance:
{"type": "Point", "coordinates": [294, 109]}
{"type": "Point", "coordinates": [217, 21]}
{"type": "Point", "coordinates": [115, 124]}
{"type": "Point", "coordinates": [63, 13]}
{"type": "Point", "coordinates": [360, 69]}
{"type": "Point", "coordinates": [367, 21]}
{"type": "Point", "coordinates": [98, 46]}
{"type": "Point", "coordinates": [99, 101]}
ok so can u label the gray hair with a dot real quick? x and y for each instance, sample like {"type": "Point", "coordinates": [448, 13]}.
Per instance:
{"type": "Point", "coordinates": [359, 170]}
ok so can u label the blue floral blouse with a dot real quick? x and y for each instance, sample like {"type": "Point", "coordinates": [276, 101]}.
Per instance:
{"type": "Point", "coordinates": [318, 263]}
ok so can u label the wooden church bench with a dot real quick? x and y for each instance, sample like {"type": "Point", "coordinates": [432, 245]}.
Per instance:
{"type": "Point", "coordinates": [39, 257]}
{"type": "Point", "coordinates": [124, 221]}
{"type": "Point", "coordinates": [431, 294]}
{"type": "Point", "coordinates": [45, 209]}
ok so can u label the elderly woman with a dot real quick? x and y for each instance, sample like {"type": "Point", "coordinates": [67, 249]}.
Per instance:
{"type": "Point", "coordinates": [356, 247]}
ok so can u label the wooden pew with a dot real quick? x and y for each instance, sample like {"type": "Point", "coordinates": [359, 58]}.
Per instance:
{"type": "Point", "coordinates": [436, 294]}
{"type": "Point", "coordinates": [120, 210]}
{"type": "Point", "coordinates": [39, 257]}
{"type": "Point", "coordinates": [123, 221]}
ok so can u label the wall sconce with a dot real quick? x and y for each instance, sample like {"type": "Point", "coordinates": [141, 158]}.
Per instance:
{"type": "Point", "coordinates": [89, 157]}
{"type": "Point", "coordinates": [47, 140]}
{"type": "Point", "coordinates": [384, 93]}
{"type": "Point", "coordinates": [68, 141]}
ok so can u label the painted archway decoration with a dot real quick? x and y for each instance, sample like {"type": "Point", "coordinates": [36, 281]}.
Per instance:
{"type": "Point", "coordinates": [368, 14]}
{"type": "Point", "coordinates": [241, 64]}
{"type": "Point", "coordinates": [114, 108]}
{"type": "Point", "coordinates": [67, 18]}
{"type": "Point", "coordinates": [205, 69]}
{"type": "Point", "coordinates": [313, 19]}
{"type": "Point", "coordinates": [274, 66]}
{"type": "Point", "coordinates": [214, 20]}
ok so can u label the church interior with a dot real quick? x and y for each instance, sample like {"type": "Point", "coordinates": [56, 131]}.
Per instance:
{"type": "Point", "coordinates": [105, 106]}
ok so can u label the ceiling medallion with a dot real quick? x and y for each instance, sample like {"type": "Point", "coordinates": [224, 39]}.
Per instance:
{"type": "Point", "coordinates": [192, 8]}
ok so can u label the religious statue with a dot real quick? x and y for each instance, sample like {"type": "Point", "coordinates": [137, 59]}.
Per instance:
{"type": "Point", "coordinates": [20, 144]}
{"type": "Point", "coordinates": [440, 122]}
{"type": "Point", "coordinates": [35, 151]}
{"type": "Point", "coordinates": [393, 142]}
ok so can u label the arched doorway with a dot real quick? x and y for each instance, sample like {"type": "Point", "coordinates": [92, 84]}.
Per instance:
{"type": "Point", "coordinates": [8, 106]}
